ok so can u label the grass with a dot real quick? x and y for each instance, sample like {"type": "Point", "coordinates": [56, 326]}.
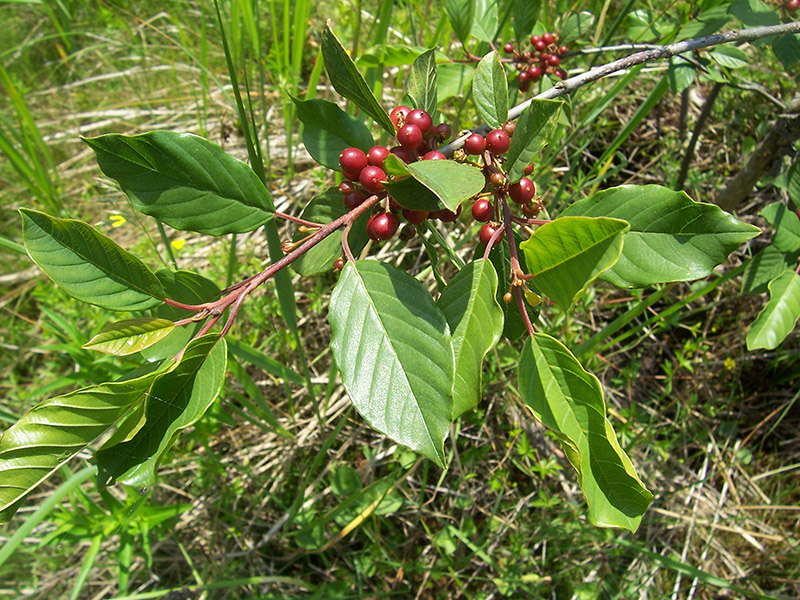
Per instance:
{"type": "Point", "coordinates": [278, 494]}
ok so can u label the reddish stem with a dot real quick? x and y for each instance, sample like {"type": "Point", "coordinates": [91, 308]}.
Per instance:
{"type": "Point", "coordinates": [516, 270]}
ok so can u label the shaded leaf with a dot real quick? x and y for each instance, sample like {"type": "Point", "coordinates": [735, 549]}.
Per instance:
{"type": "Point", "coordinates": [566, 255]}
{"type": "Point", "coordinates": [484, 20]}
{"type": "Point", "coordinates": [346, 79]}
{"type": "Point", "coordinates": [577, 26]}
{"type": "Point", "coordinates": [569, 400]}
{"type": "Point", "coordinates": [449, 181]}
{"type": "Point", "coordinates": [453, 79]}
{"type": "Point", "coordinates": [532, 132]}
{"type": "Point", "coordinates": [779, 316]}
{"type": "Point", "coordinates": [185, 181]}
{"type": "Point", "coordinates": [490, 90]}
{"type": "Point", "coordinates": [672, 238]}
{"type": "Point", "coordinates": [526, 13]}
{"type": "Point", "coordinates": [130, 336]}
{"type": "Point", "coordinates": [392, 345]}
{"type": "Point", "coordinates": [786, 224]}
{"type": "Point", "coordinates": [469, 304]}
{"type": "Point", "coordinates": [460, 13]}
{"type": "Point", "coordinates": [422, 82]}
{"type": "Point", "coordinates": [176, 400]}
{"type": "Point", "coordinates": [327, 130]}
{"type": "Point", "coordinates": [764, 267]}
{"type": "Point", "coordinates": [87, 265]}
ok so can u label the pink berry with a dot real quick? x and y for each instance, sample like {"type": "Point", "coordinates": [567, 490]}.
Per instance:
{"type": "Point", "coordinates": [508, 48]}
{"type": "Point", "coordinates": [535, 39]}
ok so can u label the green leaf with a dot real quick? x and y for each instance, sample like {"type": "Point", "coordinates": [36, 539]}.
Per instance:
{"type": "Point", "coordinates": [566, 255]}
{"type": "Point", "coordinates": [672, 238]}
{"type": "Point", "coordinates": [490, 90]}
{"type": "Point", "coordinates": [327, 130]}
{"type": "Point", "coordinates": [681, 74]}
{"type": "Point", "coordinates": [779, 316]}
{"type": "Point", "coordinates": [185, 181]}
{"type": "Point", "coordinates": [55, 430]}
{"type": "Point", "coordinates": [787, 49]}
{"type": "Point", "coordinates": [422, 82]}
{"type": "Point", "coordinates": [729, 56]}
{"type": "Point", "coordinates": [87, 265]}
{"type": "Point", "coordinates": [469, 304]}
{"type": "Point", "coordinates": [460, 13]}
{"type": "Point", "coordinates": [392, 345]}
{"type": "Point", "coordinates": [453, 79]}
{"type": "Point", "coordinates": [569, 400]}
{"type": "Point", "coordinates": [577, 26]}
{"type": "Point", "coordinates": [346, 80]}
{"type": "Point", "coordinates": [764, 267]}
{"type": "Point", "coordinates": [186, 287]}
{"type": "Point", "coordinates": [533, 129]}
{"type": "Point", "coordinates": [793, 187]}
{"type": "Point", "coordinates": [786, 224]}
{"type": "Point", "coordinates": [322, 209]}
{"type": "Point", "coordinates": [754, 13]}
{"type": "Point", "coordinates": [484, 20]}
{"type": "Point", "coordinates": [130, 336]}
{"type": "Point", "coordinates": [526, 13]}
{"type": "Point", "coordinates": [176, 400]}
{"type": "Point", "coordinates": [709, 21]}
{"type": "Point", "coordinates": [452, 182]}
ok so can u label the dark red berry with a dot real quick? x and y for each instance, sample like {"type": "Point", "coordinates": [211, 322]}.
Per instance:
{"type": "Point", "coordinates": [498, 179]}
{"type": "Point", "coordinates": [409, 136]}
{"type": "Point", "coordinates": [497, 141]}
{"type": "Point", "coordinates": [528, 169]}
{"type": "Point", "coordinates": [406, 156]}
{"type": "Point", "coordinates": [354, 199]}
{"type": "Point", "coordinates": [524, 78]}
{"type": "Point", "coordinates": [338, 264]}
{"type": "Point", "coordinates": [508, 48]}
{"type": "Point", "coordinates": [553, 60]}
{"type": "Point", "coordinates": [522, 191]}
{"type": "Point", "coordinates": [415, 217]}
{"type": "Point", "coordinates": [547, 38]}
{"type": "Point", "coordinates": [486, 233]}
{"type": "Point", "coordinates": [398, 115]}
{"type": "Point", "coordinates": [561, 73]}
{"type": "Point", "coordinates": [352, 160]}
{"type": "Point", "coordinates": [376, 155]}
{"type": "Point", "coordinates": [372, 179]}
{"type": "Point", "coordinates": [534, 73]}
{"type": "Point", "coordinates": [475, 144]}
{"type": "Point", "coordinates": [524, 86]}
{"type": "Point", "coordinates": [443, 131]}
{"type": "Point", "coordinates": [445, 215]}
{"type": "Point", "coordinates": [562, 50]}
{"type": "Point", "coordinates": [510, 127]}
{"type": "Point", "coordinates": [423, 147]}
{"type": "Point", "coordinates": [792, 5]}
{"type": "Point", "coordinates": [351, 175]}
{"type": "Point", "coordinates": [421, 119]}
{"type": "Point", "coordinates": [482, 210]}
{"type": "Point", "coordinates": [347, 187]}
{"type": "Point", "coordinates": [535, 39]}
{"type": "Point", "coordinates": [540, 45]}
{"type": "Point", "coordinates": [382, 226]}
{"type": "Point", "coordinates": [434, 155]}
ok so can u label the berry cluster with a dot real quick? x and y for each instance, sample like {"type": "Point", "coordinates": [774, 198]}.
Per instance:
{"type": "Point", "coordinates": [543, 59]}
{"type": "Point", "coordinates": [417, 139]}
{"type": "Point", "coordinates": [791, 5]}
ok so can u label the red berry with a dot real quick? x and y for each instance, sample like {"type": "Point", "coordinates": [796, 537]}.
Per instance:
{"type": "Point", "coordinates": [352, 160]}
{"type": "Point", "coordinates": [540, 45]}
{"type": "Point", "coordinates": [443, 131]}
{"type": "Point", "coordinates": [498, 179]}
{"type": "Point", "coordinates": [354, 199]}
{"type": "Point", "coordinates": [407, 156]}
{"type": "Point", "coordinates": [524, 78]}
{"type": "Point", "coordinates": [434, 155]}
{"type": "Point", "coordinates": [415, 217]}
{"type": "Point", "coordinates": [338, 264]}
{"type": "Point", "coordinates": [421, 119]}
{"type": "Point", "coordinates": [553, 60]}
{"type": "Point", "coordinates": [376, 155]}
{"type": "Point", "coordinates": [486, 233]}
{"type": "Point", "coordinates": [562, 50]}
{"type": "Point", "coordinates": [792, 5]}
{"type": "Point", "coordinates": [398, 115]}
{"type": "Point", "coordinates": [351, 175]}
{"type": "Point", "coordinates": [445, 215]}
{"type": "Point", "coordinates": [409, 136]}
{"type": "Point", "coordinates": [522, 191]}
{"type": "Point", "coordinates": [508, 48]}
{"type": "Point", "coordinates": [482, 210]}
{"type": "Point", "coordinates": [382, 226]}
{"type": "Point", "coordinates": [371, 178]}
{"type": "Point", "coordinates": [561, 73]}
{"type": "Point", "coordinates": [534, 73]}
{"type": "Point", "coordinates": [528, 169]}
{"type": "Point", "coordinates": [524, 86]}
{"type": "Point", "coordinates": [423, 147]}
{"type": "Point", "coordinates": [475, 144]}
{"type": "Point", "coordinates": [497, 141]}
{"type": "Point", "coordinates": [510, 127]}
{"type": "Point", "coordinates": [547, 38]}
{"type": "Point", "coordinates": [347, 187]}
{"type": "Point", "coordinates": [535, 39]}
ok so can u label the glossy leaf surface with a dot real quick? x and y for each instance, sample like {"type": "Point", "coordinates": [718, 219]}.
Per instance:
{"type": "Point", "coordinates": [672, 238]}
{"type": "Point", "coordinates": [392, 345]}
{"type": "Point", "coordinates": [460, 13]}
{"type": "Point", "coordinates": [779, 316]}
{"type": "Point", "coordinates": [176, 400]}
{"type": "Point", "coordinates": [490, 90]}
{"type": "Point", "coordinates": [421, 85]}
{"type": "Point", "coordinates": [327, 130]}
{"type": "Point", "coordinates": [566, 255]}
{"type": "Point", "coordinates": [569, 400]}
{"type": "Point", "coordinates": [470, 306]}
{"type": "Point", "coordinates": [89, 266]}
{"type": "Point", "coordinates": [185, 181]}
{"type": "Point", "coordinates": [485, 20]}
{"type": "Point", "coordinates": [130, 336]}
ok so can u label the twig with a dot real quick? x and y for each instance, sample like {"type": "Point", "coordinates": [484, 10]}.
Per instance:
{"type": "Point", "coordinates": [698, 129]}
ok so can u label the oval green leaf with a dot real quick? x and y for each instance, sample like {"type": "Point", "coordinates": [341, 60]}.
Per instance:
{"type": "Point", "coordinates": [130, 336]}
{"type": "Point", "coordinates": [185, 181]}
{"type": "Point", "coordinates": [460, 14]}
{"type": "Point", "coordinates": [421, 85]}
{"type": "Point", "coordinates": [672, 238]}
{"type": "Point", "coordinates": [475, 317]}
{"type": "Point", "coordinates": [87, 265]}
{"type": "Point", "coordinates": [327, 130]}
{"type": "Point", "coordinates": [764, 267]}
{"type": "Point", "coordinates": [786, 224]}
{"type": "Point", "coordinates": [452, 182]}
{"type": "Point", "coordinates": [533, 130]}
{"type": "Point", "coordinates": [566, 255]}
{"type": "Point", "coordinates": [392, 345]}
{"type": "Point", "coordinates": [779, 316]}
{"type": "Point", "coordinates": [490, 90]}
{"type": "Point", "coordinates": [569, 400]}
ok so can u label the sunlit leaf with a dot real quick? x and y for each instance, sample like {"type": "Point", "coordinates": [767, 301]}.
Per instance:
{"type": "Point", "coordinates": [130, 336]}
{"type": "Point", "coordinates": [779, 316]}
